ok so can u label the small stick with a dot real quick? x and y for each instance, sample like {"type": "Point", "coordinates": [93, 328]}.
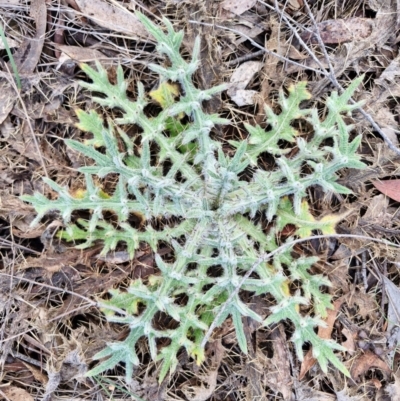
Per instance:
{"type": "Point", "coordinates": [246, 57]}
{"type": "Point", "coordinates": [364, 270]}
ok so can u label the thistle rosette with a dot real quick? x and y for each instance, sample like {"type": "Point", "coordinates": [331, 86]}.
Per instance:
{"type": "Point", "coordinates": [181, 176]}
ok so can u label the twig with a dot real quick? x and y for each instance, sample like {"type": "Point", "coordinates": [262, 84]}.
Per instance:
{"type": "Point", "coordinates": [246, 57]}
{"type": "Point", "coordinates": [25, 358]}
{"type": "Point", "coordinates": [364, 270]}
{"type": "Point", "coordinates": [384, 293]}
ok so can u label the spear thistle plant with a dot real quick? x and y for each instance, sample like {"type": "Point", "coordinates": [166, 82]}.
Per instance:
{"type": "Point", "coordinates": [206, 208]}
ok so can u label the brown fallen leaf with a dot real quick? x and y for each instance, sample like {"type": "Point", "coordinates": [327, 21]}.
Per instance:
{"type": "Point", "coordinates": [7, 100]}
{"type": "Point", "coordinates": [28, 54]}
{"type": "Point", "coordinates": [36, 373]}
{"type": "Point", "coordinates": [365, 302]}
{"type": "Point", "coordinates": [216, 351]}
{"type": "Point", "coordinates": [349, 344]}
{"type": "Point", "coordinates": [247, 28]}
{"type": "Point", "coordinates": [387, 121]}
{"type": "Point", "coordinates": [323, 332]}
{"type": "Point", "coordinates": [53, 263]}
{"type": "Point", "coordinates": [119, 257]}
{"type": "Point", "coordinates": [19, 215]}
{"type": "Point", "coordinates": [115, 18]}
{"type": "Point", "coordinates": [387, 79]}
{"type": "Point", "coordinates": [237, 7]}
{"type": "Point", "coordinates": [81, 54]}
{"type": "Point", "coordinates": [293, 53]}
{"type": "Point", "coordinates": [17, 394]}
{"type": "Point", "coordinates": [377, 211]}
{"type": "Point", "coordinates": [240, 79]}
{"type": "Point", "coordinates": [390, 188]}
{"type": "Point", "coordinates": [367, 361]}
{"type": "Point", "coordinates": [341, 31]}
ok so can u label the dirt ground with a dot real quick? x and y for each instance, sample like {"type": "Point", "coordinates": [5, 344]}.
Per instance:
{"type": "Point", "coordinates": [49, 326]}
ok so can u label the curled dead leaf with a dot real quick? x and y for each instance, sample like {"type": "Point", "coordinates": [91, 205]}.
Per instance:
{"type": "Point", "coordinates": [366, 361]}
